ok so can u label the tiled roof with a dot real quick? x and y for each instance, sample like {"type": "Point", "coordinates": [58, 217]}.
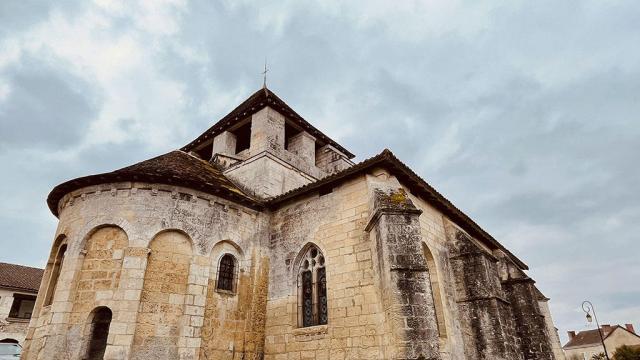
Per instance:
{"type": "Point", "coordinates": [256, 102]}
{"type": "Point", "coordinates": [583, 338]}
{"type": "Point", "coordinates": [415, 183]}
{"type": "Point", "coordinates": [20, 277]}
{"type": "Point", "coordinates": [591, 337]}
{"type": "Point", "coordinates": [174, 168]}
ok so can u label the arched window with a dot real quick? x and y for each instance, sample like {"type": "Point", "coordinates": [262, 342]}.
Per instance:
{"type": "Point", "coordinates": [312, 289]}
{"type": "Point", "coordinates": [55, 273]}
{"type": "Point", "coordinates": [435, 290]}
{"type": "Point", "coordinates": [98, 333]}
{"type": "Point", "coordinates": [227, 273]}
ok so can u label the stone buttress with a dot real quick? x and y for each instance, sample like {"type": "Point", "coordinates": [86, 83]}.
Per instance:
{"type": "Point", "coordinates": [531, 328]}
{"type": "Point", "coordinates": [485, 313]}
{"type": "Point", "coordinates": [404, 277]}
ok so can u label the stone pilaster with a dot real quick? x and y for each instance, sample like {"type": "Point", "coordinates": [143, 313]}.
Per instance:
{"type": "Point", "coordinates": [304, 145]}
{"type": "Point", "coordinates": [267, 131]}
{"type": "Point", "coordinates": [485, 313]}
{"type": "Point", "coordinates": [404, 276]}
{"type": "Point", "coordinates": [224, 143]}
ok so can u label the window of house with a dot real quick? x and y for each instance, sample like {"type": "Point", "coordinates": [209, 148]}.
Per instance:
{"type": "Point", "coordinates": [312, 289]}
{"type": "Point", "coordinates": [22, 306]}
{"type": "Point", "coordinates": [227, 273]}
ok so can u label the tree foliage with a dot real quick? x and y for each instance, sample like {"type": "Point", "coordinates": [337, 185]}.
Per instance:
{"type": "Point", "coordinates": [625, 352]}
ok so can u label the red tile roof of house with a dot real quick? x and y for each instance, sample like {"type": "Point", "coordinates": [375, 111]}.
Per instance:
{"type": "Point", "coordinates": [591, 337]}
{"type": "Point", "coordinates": [20, 277]}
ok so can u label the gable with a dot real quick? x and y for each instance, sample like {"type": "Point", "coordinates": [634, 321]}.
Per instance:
{"type": "Point", "coordinates": [621, 336]}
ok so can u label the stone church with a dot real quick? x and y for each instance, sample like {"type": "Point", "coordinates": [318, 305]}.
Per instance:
{"type": "Point", "coordinates": [262, 239]}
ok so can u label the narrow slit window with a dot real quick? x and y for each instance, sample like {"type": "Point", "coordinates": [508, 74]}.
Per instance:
{"type": "Point", "coordinates": [98, 333]}
{"type": "Point", "coordinates": [55, 274]}
{"type": "Point", "coordinates": [435, 291]}
{"type": "Point", "coordinates": [312, 289]}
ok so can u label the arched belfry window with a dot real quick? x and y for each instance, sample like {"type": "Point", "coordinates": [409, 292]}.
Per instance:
{"type": "Point", "coordinates": [312, 289]}
{"type": "Point", "coordinates": [98, 332]}
{"type": "Point", "coordinates": [55, 274]}
{"type": "Point", "coordinates": [227, 273]}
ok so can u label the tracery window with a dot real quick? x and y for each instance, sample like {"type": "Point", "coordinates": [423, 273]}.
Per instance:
{"type": "Point", "coordinates": [312, 289]}
{"type": "Point", "coordinates": [227, 273]}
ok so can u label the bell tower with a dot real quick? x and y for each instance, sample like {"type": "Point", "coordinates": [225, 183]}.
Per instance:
{"type": "Point", "coordinates": [267, 149]}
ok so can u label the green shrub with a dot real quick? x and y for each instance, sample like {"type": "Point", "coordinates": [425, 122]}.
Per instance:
{"type": "Point", "coordinates": [625, 352]}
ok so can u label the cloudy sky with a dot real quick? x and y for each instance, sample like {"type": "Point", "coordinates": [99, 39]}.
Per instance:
{"type": "Point", "coordinates": [526, 114]}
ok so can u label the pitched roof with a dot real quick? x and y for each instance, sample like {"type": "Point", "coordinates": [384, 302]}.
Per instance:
{"type": "Point", "coordinates": [256, 102]}
{"type": "Point", "coordinates": [173, 168]}
{"type": "Point", "coordinates": [591, 337]}
{"type": "Point", "coordinates": [415, 183]}
{"type": "Point", "coordinates": [20, 277]}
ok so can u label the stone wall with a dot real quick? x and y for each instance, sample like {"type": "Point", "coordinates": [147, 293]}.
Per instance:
{"type": "Point", "coordinates": [331, 161]}
{"type": "Point", "coordinates": [109, 231]}
{"type": "Point", "coordinates": [432, 224]}
{"type": "Point", "coordinates": [335, 223]}
{"type": "Point", "coordinates": [266, 175]}
{"type": "Point", "coordinates": [150, 254]}
{"type": "Point", "coordinates": [160, 317]}
{"type": "Point", "coordinates": [97, 283]}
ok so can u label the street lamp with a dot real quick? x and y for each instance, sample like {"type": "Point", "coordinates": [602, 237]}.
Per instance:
{"type": "Point", "coordinates": [587, 307]}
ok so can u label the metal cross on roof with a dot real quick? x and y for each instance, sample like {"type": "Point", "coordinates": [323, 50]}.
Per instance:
{"type": "Point", "coordinates": [264, 73]}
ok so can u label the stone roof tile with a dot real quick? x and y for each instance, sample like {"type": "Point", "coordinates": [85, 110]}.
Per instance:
{"type": "Point", "coordinates": [174, 168]}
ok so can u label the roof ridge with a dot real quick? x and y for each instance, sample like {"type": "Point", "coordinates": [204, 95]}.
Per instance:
{"type": "Point", "coordinates": [25, 266]}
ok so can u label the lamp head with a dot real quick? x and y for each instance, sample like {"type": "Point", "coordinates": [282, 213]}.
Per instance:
{"type": "Point", "coordinates": [589, 318]}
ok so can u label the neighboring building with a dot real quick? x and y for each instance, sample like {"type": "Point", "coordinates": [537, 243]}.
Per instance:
{"type": "Point", "coordinates": [585, 344]}
{"type": "Point", "coordinates": [261, 239]}
{"type": "Point", "coordinates": [18, 289]}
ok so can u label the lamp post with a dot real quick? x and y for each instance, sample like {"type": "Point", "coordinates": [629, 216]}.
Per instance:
{"type": "Point", "coordinates": [587, 307]}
